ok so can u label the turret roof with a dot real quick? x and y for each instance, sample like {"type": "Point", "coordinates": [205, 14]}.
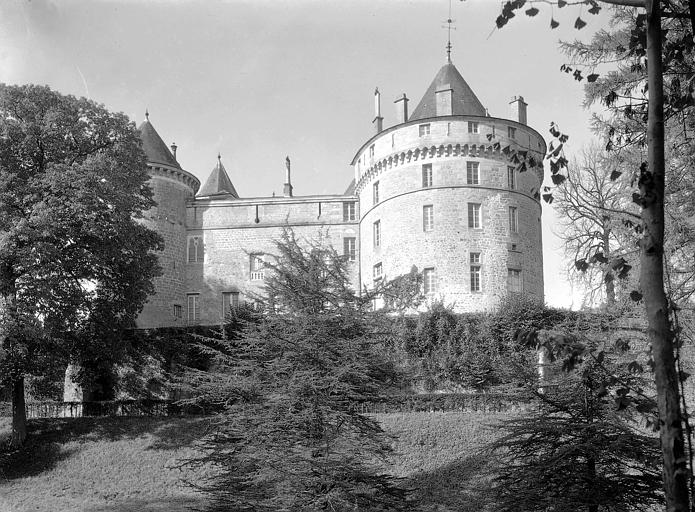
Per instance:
{"type": "Point", "coordinates": [155, 148]}
{"type": "Point", "coordinates": [464, 100]}
{"type": "Point", "coordinates": [218, 183]}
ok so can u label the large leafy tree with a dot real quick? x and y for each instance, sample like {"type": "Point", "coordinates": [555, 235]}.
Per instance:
{"type": "Point", "coordinates": [290, 436]}
{"type": "Point", "coordinates": [76, 261]}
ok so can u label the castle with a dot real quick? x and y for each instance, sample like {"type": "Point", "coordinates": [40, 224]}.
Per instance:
{"type": "Point", "coordinates": [438, 190]}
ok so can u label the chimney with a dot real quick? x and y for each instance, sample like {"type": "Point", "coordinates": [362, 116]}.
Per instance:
{"type": "Point", "coordinates": [173, 149]}
{"type": "Point", "coordinates": [378, 120]}
{"type": "Point", "coordinates": [287, 189]}
{"type": "Point", "coordinates": [444, 104]}
{"type": "Point", "coordinates": [518, 109]}
{"type": "Point", "coordinates": [401, 109]}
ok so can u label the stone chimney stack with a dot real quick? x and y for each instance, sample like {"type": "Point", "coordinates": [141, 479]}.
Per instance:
{"type": "Point", "coordinates": [287, 189]}
{"type": "Point", "coordinates": [401, 109]}
{"type": "Point", "coordinates": [518, 109]}
{"type": "Point", "coordinates": [444, 104]}
{"type": "Point", "coordinates": [378, 120]}
{"type": "Point", "coordinates": [173, 149]}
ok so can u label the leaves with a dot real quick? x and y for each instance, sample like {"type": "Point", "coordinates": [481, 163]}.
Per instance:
{"type": "Point", "coordinates": [615, 174]}
{"type": "Point", "coordinates": [553, 23]}
{"type": "Point", "coordinates": [532, 11]}
{"type": "Point", "coordinates": [592, 77]}
{"type": "Point", "coordinates": [579, 23]}
{"type": "Point", "coordinates": [635, 296]}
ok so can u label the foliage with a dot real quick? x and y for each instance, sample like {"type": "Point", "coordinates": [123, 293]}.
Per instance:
{"type": "Point", "coordinates": [290, 437]}
{"type": "Point", "coordinates": [76, 264]}
{"type": "Point", "coordinates": [576, 451]}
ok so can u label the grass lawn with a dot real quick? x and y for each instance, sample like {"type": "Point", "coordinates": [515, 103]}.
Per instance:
{"type": "Point", "coordinates": [131, 464]}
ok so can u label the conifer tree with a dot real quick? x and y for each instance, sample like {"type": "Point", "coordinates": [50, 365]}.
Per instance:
{"type": "Point", "coordinates": [290, 436]}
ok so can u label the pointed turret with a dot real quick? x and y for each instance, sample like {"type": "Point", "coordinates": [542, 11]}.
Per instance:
{"type": "Point", "coordinates": [156, 150]}
{"type": "Point", "coordinates": [218, 183]}
{"type": "Point", "coordinates": [448, 94]}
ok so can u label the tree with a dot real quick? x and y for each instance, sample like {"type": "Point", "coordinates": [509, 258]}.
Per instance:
{"type": "Point", "coordinates": [290, 436]}
{"type": "Point", "coordinates": [76, 262]}
{"type": "Point", "coordinates": [650, 45]}
{"type": "Point", "coordinates": [594, 209]}
{"type": "Point", "coordinates": [575, 451]}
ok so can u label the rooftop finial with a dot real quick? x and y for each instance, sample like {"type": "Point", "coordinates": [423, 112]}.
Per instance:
{"type": "Point", "coordinates": [219, 157]}
{"type": "Point", "coordinates": [449, 22]}
{"type": "Point", "coordinates": [147, 115]}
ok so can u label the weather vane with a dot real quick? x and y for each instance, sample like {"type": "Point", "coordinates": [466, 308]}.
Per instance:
{"type": "Point", "coordinates": [449, 28]}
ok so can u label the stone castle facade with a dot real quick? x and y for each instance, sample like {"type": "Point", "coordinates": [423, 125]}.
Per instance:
{"type": "Point", "coordinates": [438, 190]}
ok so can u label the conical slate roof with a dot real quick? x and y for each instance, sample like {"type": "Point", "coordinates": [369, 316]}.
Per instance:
{"type": "Point", "coordinates": [464, 100]}
{"type": "Point", "coordinates": [155, 148]}
{"type": "Point", "coordinates": [218, 183]}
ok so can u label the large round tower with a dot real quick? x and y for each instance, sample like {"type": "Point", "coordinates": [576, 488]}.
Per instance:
{"type": "Point", "coordinates": [455, 193]}
{"type": "Point", "coordinates": [172, 187]}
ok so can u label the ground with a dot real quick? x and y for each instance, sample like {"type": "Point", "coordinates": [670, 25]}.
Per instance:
{"type": "Point", "coordinates": [132, 464]}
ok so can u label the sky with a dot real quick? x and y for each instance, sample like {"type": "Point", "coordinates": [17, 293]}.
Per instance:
{"type": "Point", "coordinates": [258, 80]}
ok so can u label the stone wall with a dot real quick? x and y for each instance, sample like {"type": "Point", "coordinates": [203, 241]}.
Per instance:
{"type": "Point", "coordinates": [231, 236]}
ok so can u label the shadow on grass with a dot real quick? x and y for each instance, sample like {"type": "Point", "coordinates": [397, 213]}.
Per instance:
{"type": "Point", "coordinates": [47, 436]}
{"type": "Point", "coordinates": [161, 505]}
{"type": "Point", "coordinates": [461, 486]}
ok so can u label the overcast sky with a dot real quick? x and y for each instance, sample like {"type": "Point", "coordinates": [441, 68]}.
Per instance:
{"type": "Point", "coordinates": [259, 80]}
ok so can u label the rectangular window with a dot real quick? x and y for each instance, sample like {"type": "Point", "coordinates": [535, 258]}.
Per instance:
{"type": "Point", "coordinates": [375, 193]}
{"type": "Point", "coordinates": [514, 283]}
{"type": "Point", "coordinates": [196, 249]}
{"type": "Point", "coordinates": [230, 301]}
{"type": "Point", "coordinates": [349, 211]}
{"type": "Point", "coordinates": [511, 132]}
{"type": "Point", "coordinates": [475, 271]}
{"type": "Point", "coordinates": [424, 129]}
{"type": "Point", "coordinates": [429, 279]}
{"type": "Point", "coordinates": [474, 218]}
{"type": "Point", "coordinates": [371, 151]}
{"type": "Point", "coordinates": [473, 173]}
{"type": "Point", "coordinates": [426, 175]}
{"type": "Point", "coordinates": [428, 217]}
{"type": "Point", "coordinates": [349, 248]}
{"type": "Point", "coordinates": [178, 311]}
{"type": "Point", "coordinates": [193, 307]}
{"type": "Point", "coordinates": [513, 219]}
{"type": "Point", "coordinates": [511, 177]}
{"type": "Point", "coordinates": [257, 267]}
{"type": "Point", "coordinates": [377, 233]}
{"type": "Point", "coordinates": [377, 271]}
{"type": "Point", "coordinates": [473, 127]}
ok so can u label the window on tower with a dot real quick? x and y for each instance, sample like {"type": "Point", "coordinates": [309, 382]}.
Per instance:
{"type": "Point", "coordinates": [473, 173]}
{"type": "Point", "coordinates": [377, 233]}
{"type": "Point", "coordinates": [473, 127]}
{"type": "Point", "coordinates": [424, 129]}
{"type": "Point", "coordinates": [513, 219]}
{"type": "Point", "coordinates": [511, 177]}
{"type": "Point", "coordinates": [375, 192]}
{"type": "Point", "coordinates": [429, 278]}
{"type": "Point", "coordinates": [378, 271]}
{"type": "Point", "coordinates": [475, 220]}
{"type": "Point", "coordinates": [514, 281]}
{"type": "Point", "coordinates": [511, 132]}
{"type": "Point", "coordinates": [428, 217]}
{"type": "Point", "coordinates": [426, 175]}
{"type": "Point", "coordinates": [475, 271]}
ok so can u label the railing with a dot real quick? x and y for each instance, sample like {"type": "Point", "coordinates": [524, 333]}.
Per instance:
{"type": "Point", "coordinates": [257, 275]}
{"type": "Point", "coordinates": [109, 408]}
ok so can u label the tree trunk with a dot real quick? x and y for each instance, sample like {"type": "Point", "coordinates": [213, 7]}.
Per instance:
{"type": "Point", "coordinates": [675, 470]}
{"type": "Point", "coordinates": [19, 414]}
